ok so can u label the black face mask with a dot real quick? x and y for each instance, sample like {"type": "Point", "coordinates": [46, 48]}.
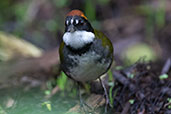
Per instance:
{"type": "Point", "coordinates": [82, 24]}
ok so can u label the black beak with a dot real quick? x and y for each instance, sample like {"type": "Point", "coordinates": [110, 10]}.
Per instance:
{"type": "Point", "coordinates": [71, 28]}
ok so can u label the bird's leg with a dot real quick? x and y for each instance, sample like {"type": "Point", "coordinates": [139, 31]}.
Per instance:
{"type": "Point", "coordinates": [82, 103]}
{"type": "Point", "coordinates": [80, 96]}
{"type": "Point", "coordinates": [106, 95]}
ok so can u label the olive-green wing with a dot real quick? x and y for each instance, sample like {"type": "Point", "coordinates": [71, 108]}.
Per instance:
{"type": "Point", "coordinates": [105, 40]}
{"type": "Point", "coordinates": [60, 51]}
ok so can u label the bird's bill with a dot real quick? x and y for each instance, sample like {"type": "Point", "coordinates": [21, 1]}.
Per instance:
{"type": "Point", "coordinates": [71, 28]}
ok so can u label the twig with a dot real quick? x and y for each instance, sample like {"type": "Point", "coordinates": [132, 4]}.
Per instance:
{"type": "Point", "coordinates": [167, 66]}
{"type": "Point", "coordinates": [166, 90]}
{"type": "Point", "coordinates": [53, 92]}
{"type": "Point", "coordinates": [122, 79]}
{"type": "Point", "coordinates": [126, 108]}
{"type": "Point", "coordinates": [92, 101]}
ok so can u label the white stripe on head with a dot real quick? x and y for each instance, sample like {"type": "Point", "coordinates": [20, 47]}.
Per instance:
{"type": "Point", "coordinates": [78, 39]}
{"type": "Point", "coordinates": [67, 22]}
{"type": "Point", "coordinates": [72, 20]}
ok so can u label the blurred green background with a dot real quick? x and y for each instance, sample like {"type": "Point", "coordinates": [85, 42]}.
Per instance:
{"type": "Point", "coordinates": [41, 22]}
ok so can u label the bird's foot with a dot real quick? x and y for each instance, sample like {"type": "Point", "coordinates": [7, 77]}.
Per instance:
{"type": "Point", "coordinates": [85, 107]}
{"type": "Point", "coordinates": [106, 96]}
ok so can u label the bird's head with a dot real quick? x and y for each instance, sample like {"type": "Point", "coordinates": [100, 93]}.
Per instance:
{"type": "Point", "coordinates": [77, 21]}
{"type": "Point", "coordinates": [78, 30]}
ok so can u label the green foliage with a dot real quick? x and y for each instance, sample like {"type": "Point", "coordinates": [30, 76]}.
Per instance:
{"type": "Point", "coordinates": [111, 99]}
{"type": "Point", "coordinates": [11, 10]}
{"type": "Point", "coordinates": [113, 96]}
{"type": "Point", "coordinates": [61, 81]}
{"type": "Point", "coordinates": [160, 14]}
{"type": "Point", "coordinates": [2, 111]}
{"type": "Point", "coordinates": [155, 17]}
{"type": "Point", "coordinates": [87, 87]}
{"type": "Point", "coordinates": [96, 24]}
{"type": "Point", "coordinates": [4, 4]}
{"type": "Point", "coordinates": [20, 10]}
{"type": "Point", "coordinates": [74, 113]}
{"type": "Point", "coordinates": [49, 87]}
{"type": "Point", "coordinates": [90, 10]}
{"type": "Point", "coordinates": [103, 2]}
{"type": "Point", "coordinates": [73, 92]}
{"type": "Point", "coordinates": [135, 52]}
{"type": "Point", "coordinates": [5, 10]}
{"type": "Point", "coordinates": [111, 84]}
{"type": "Point", "coordinates": [163, 76]}
{"type": "Point", "coordinates": [110, 75]}
{"type": "Point", "coordinates": [67, 86]}
{"type": "Point", "coordinates": [169, 103]}
{"type": "Point", "coordinates": [149, 28]}
{"type": "Point", "coordinates": [131, 75]}
{"type": "Point", "coordinates": [47, 92]}
{"type": "Point", "coordinates": [131, 101]}
{"type": "Point", "coordinates": [51, 25]}
{"type": "Point", "coordinates": [61, 3]}
{"type": "Point", "coordinates": [119, 67]}
{"type": "Point", "coordinates": [48, 105]}
{"type": "Point", "coordinates": [33, 101]}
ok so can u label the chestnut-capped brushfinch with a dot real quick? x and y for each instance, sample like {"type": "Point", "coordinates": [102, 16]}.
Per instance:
{"type": "Point", "coordinates": [85, 53]}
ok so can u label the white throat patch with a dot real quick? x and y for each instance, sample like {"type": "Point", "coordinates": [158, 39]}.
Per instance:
{"type": "Point", "coordinates": [78, 39]}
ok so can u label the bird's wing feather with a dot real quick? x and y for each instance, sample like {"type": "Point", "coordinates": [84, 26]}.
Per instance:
{"type": "Point", "coordinates": [105, 40]}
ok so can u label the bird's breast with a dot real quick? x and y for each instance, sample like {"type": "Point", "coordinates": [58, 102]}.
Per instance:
{"type": "Point", "coordinates": [86, 67]}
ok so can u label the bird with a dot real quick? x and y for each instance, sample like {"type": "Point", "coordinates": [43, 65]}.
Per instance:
{"type": "Point", "coordinates": [85, 53]}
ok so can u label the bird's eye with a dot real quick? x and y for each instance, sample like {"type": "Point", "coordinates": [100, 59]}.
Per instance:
{"type": "Point", "coordinates": [77, 22]}
{"type": "Point", "coordinates": [81, 22]}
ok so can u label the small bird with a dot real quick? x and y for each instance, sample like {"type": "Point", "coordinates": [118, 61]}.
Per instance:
{"type": "Point", "coordinates": [85, 53]}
